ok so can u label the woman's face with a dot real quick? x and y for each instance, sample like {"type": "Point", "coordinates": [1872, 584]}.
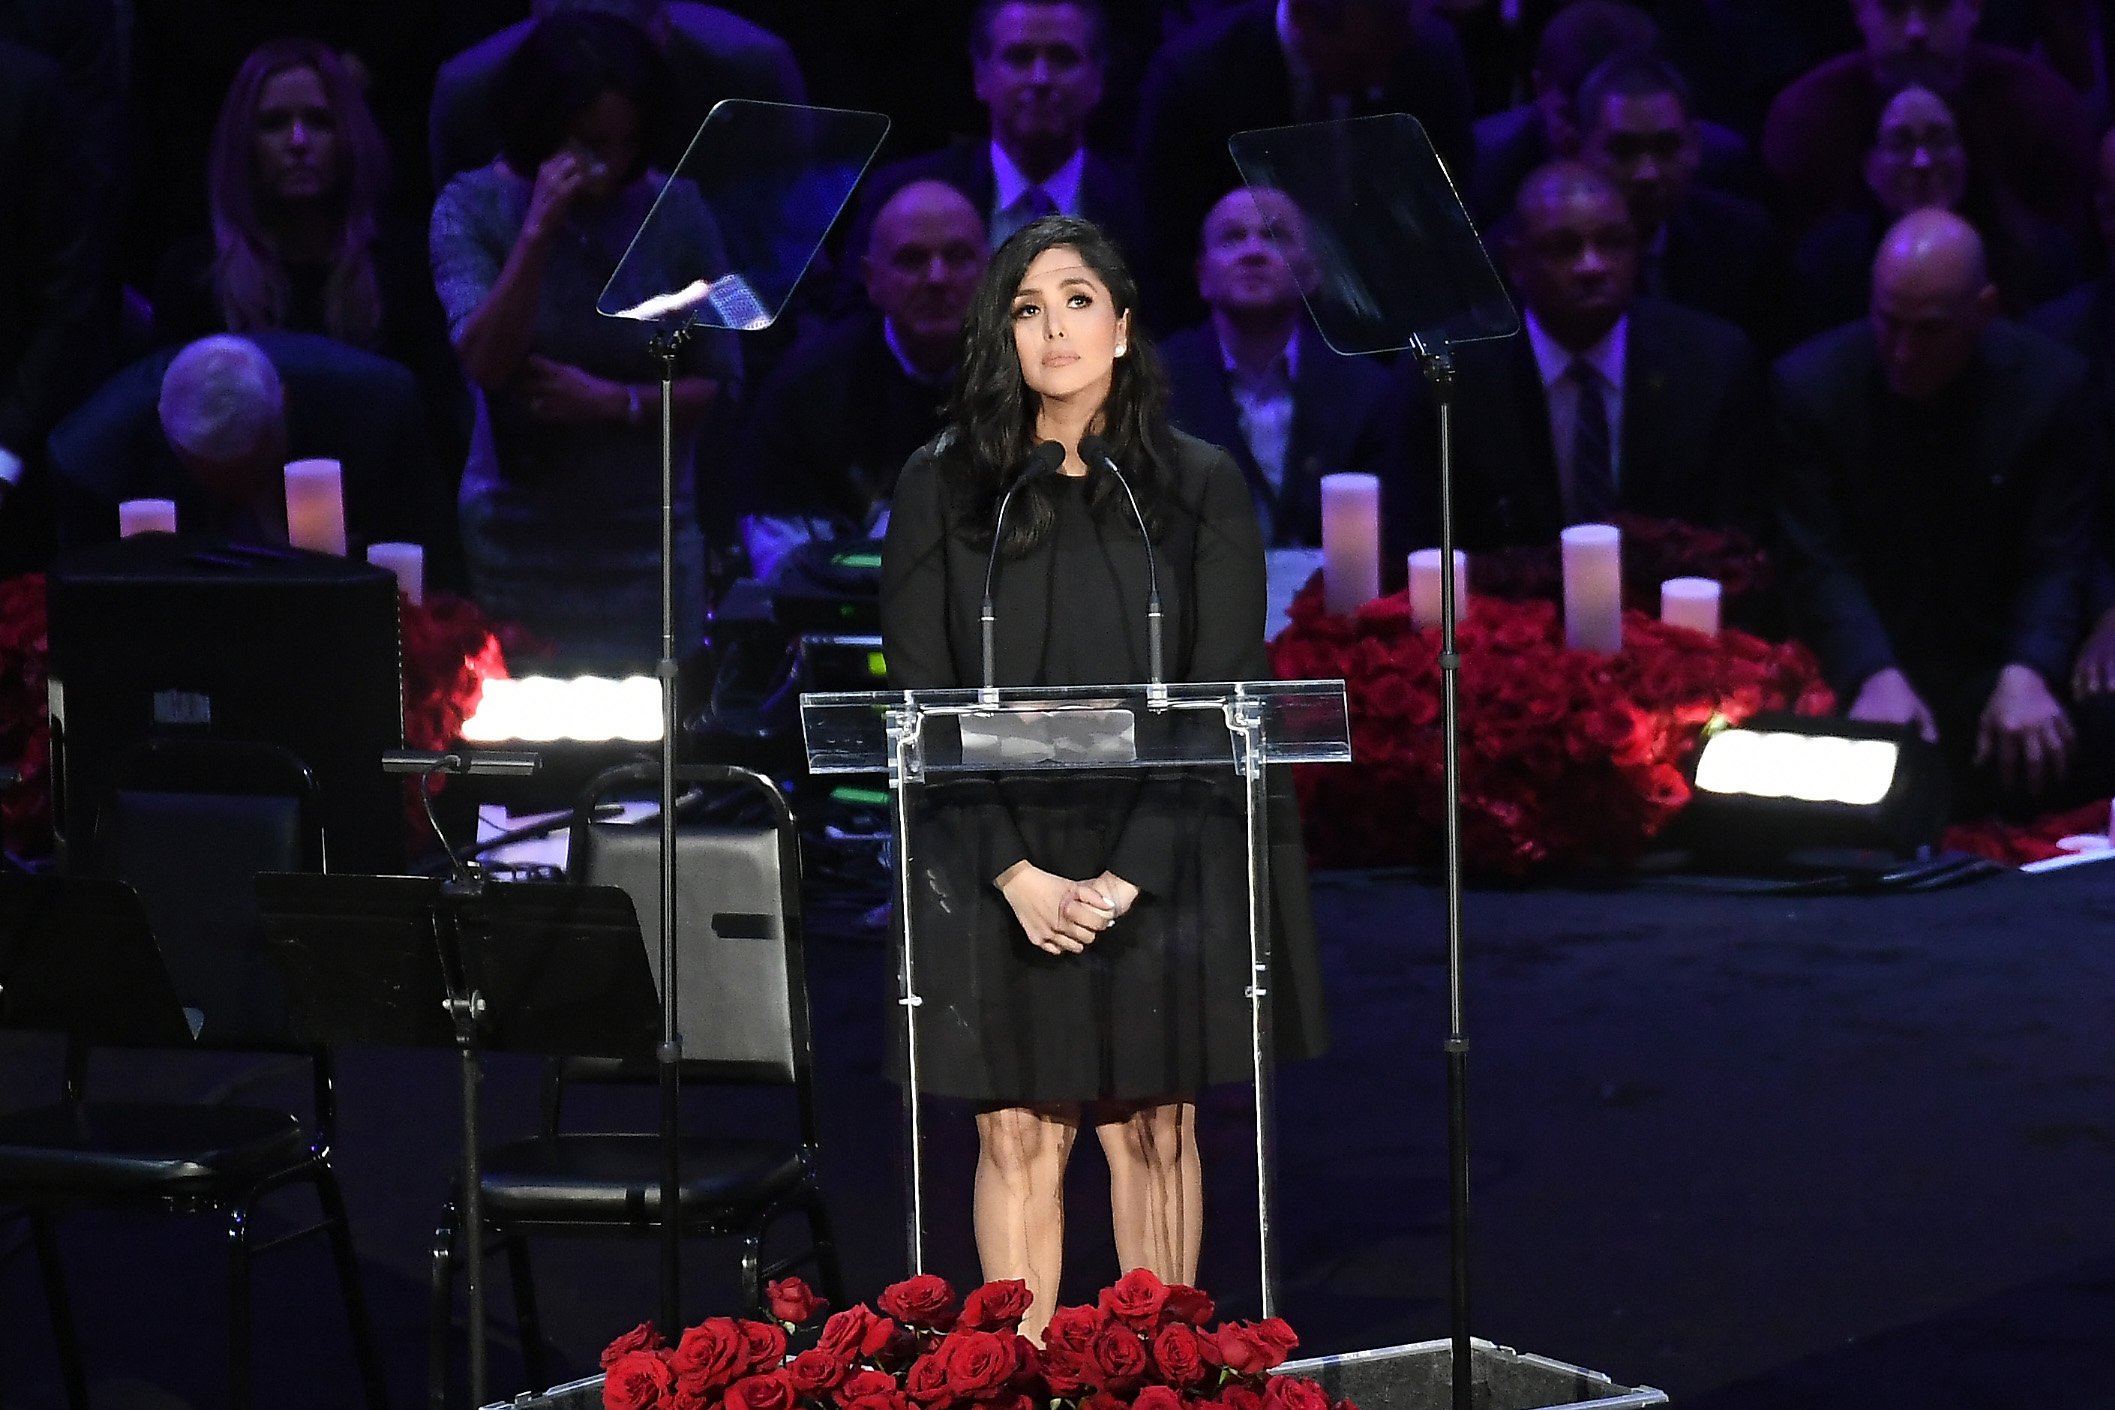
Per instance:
{"type": "Point", "coordinates": [605, 136]}
{"type": "Point", "coordinates": [295, 145]}
{"type": "Point", "coordinates": [1066, 329]}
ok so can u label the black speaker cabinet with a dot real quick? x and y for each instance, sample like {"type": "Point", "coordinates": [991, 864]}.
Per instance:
{"type": "Point", "coordinates": [163, 636]}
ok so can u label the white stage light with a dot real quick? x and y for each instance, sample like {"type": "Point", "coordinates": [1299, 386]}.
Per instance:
{"type": "Point", "coordinates": [1812, 768]}
{"type": "Point", "coordinates": [545, 709]}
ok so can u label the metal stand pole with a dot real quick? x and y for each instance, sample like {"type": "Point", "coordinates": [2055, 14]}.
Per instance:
{"type": "Point", "coordinates": [669, 1053]}
{"type": "Point", "coordinates": [1246, 723]}
{"type": "Point", "coordinates": [1437, 364]}
{"type": "Point", "coordinates": [904, 730]}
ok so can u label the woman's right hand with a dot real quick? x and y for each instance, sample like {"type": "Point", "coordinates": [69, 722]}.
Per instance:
{"type": "Point", "coordinates": [1039, 902]}
{"type": "Point", "coordinates": [558, 181]}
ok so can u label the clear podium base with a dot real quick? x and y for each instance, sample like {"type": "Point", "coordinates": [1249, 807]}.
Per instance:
{"type": "Point", "coordinates": [1414, 1377]}
{"type": "Point", "coordinates": [1419, 1377]}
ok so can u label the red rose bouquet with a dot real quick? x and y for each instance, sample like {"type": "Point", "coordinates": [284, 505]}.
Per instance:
{"type": "Point", "coordinates": [1143, 1345]}
{"type": "Point", "coordinates": [1566, 756]}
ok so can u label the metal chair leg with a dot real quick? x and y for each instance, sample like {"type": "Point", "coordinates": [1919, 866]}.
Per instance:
{"type": "Point", "coordinates": [365, 1350]}
{"type": "Point", "coordinates": [239, 1387]}
{"type": "Point", "coordinates": [45, 1238]}
{"type": "Point", "coordinates": [535, 1366]}
{"type": "Point", "coordinates": [442, 1310]}
{"type": "Point", "coordinates": [753, 1266]}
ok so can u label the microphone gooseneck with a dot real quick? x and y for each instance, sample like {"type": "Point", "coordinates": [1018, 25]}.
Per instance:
{"type": "Point", "coordinates": [1041, 461]}
{"type": "Point", "coordinates": [1095, 451]}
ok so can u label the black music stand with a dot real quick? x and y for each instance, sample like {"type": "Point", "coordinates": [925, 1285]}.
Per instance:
{"type": "Point", "coordinates": [414, 962]}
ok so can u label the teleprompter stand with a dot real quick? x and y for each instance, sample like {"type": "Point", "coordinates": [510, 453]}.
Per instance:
{"type": "Point", "coordinates": [473, 965]}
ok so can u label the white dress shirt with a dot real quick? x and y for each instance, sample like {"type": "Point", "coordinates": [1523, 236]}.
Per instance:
{"type": "Point", "coordinates": [1263, 407]}
{"type": "Point", "coordinates": [1554, 361]}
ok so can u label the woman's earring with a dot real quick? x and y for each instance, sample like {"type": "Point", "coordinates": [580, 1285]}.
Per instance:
{"type": "Point", "coordinates": [1121, 348]}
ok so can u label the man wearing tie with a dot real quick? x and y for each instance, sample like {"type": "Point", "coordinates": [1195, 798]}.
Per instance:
{"type": "Point", "coordinates": [1037, 66]}
{"type": "Point", "coordinates": [1606, 403]}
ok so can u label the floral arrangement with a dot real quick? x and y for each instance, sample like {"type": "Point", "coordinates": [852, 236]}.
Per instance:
{"type": "Point", "coordinates": [1654, 550]}
{"type": "Point", "coordinates": [1567, 757]}
{"type": "Point", "coordinates": [2016, 844]}
{"type": "Point", "coordinates": [1143, 1345]}
{"type": "Point", "coordinates": [451, 648]}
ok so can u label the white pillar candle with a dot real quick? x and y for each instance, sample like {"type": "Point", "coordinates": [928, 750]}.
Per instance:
{"type": "Point", "coordinates": [1351, 541]}
{"type": "Point", "coordinates": [315, 505]}
{"type": "Point", "coordinates": [407, 561]}
{"type": "Point", "coordinates": [1691, 603]}
{"type": "Point", "coordinates": [1425, 583]}
{"type": "Point", "coordinates": [146, 516]}
{"type": "Point", "coordinates": [1593, 587]}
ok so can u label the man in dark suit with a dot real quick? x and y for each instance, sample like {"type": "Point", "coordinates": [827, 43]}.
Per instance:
{"type": "Point", "coordinates": [57, 299]}
{"type": "Point", "coordinates": [1037, 65]}
{"type": "Point", "coordinates": [212, 425]}
{"type": "Point", "coordinates": [1257, 379]}
{"type": "Point", "coordinates": [711, 54]}
{"type": "Point", "coordinates": [1266, 63]}
{"type": "Point", "coordinates": [1700, 248]}
{"type": "Point", "coordinates": [838, 417]}
{"type": "Point", "coordinates": [1937, 492]}
{"type": "Point", "coordinates": [1605, 403]}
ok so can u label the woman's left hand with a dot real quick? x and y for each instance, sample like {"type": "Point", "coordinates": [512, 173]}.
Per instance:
{"type": "Point", "coordinates": [567, 395]}
{"type": "Point", "coordinates": [1119, 893]}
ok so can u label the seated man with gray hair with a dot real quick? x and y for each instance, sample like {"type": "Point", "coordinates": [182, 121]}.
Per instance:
{"type": "Point", "coordinates": [211, 426]}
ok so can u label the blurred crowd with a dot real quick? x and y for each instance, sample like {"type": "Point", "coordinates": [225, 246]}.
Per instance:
{"type": "Point", "coordinates": [1831, 273]}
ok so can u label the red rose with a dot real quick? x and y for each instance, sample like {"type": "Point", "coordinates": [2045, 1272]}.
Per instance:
{"type": "Point", "coordinates": [996, 1306]}
{"type": "Point", "coordinates": [887, 1398]}
{"type": "Point", "coordinates": [1074, 1328]}
{"type": "Point", "coordinates": [1116, 1361]}
{"type": "Point", "coordinates": [1187, 1304]}
{"type": "Point", "coordinates": [1251, 1348]}
{"type": "Point", "coordinates": [861, 1384]}
{"type": "Point", "coordinates": [926, 1382]}
{"type": "Point", "coordinates": [923, 1301]}
{"type": "Point", "coordinates": [1102, 1400]}
{"type": "Point", "coordinates": [1294, 1393]}
{"type": "Point", "coordinates": [1240, 1397]}
{"type": "Point", "coordinates": [1178, 1354]}
{"type": "Point", "coordinates": [639, 1379]}
{"type": "Point", "coordinates": [856, 1334]}
{"type": "Point", "coordinates": [977, 1365]}
{"type": "Point", "coordinates": [1157, 1398]}
{"type": "Point", "coordinates": [1065, 1371]}
{"type": "Point", "coordinates": [816, 1370]}
{"type": "Point", "coordinates": [766, 1346]}
{"type": "Point", "coordinates": [767, 1392]}
{"type": "Point", "coordinates": [792, 1301]}
{"type": "Point", "coordinates": [1136, 1299]}
{"type": "Point", "coordinates": [712, 1355]}
{"type": "Point", "coordinates": [640, 1338]}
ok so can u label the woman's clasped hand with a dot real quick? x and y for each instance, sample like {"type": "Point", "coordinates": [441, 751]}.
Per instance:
{"type": "Point", "coordinates": [1061, 916]}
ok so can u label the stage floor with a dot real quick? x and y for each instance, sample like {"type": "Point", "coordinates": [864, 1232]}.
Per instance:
{"type": "Point", "coordinates": [1757, 1151]}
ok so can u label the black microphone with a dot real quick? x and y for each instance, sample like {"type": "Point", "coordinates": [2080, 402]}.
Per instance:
{"type": "Point", "coordinates": [1041, 461]}
{"type": "Point", "coordinates": [1095, 451]}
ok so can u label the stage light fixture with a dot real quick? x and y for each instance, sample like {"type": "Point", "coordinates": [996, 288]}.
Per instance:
{"type": "Point", "coordinates": [583, 709]}
{"type": "Point", "coordinates": [1781, 783]}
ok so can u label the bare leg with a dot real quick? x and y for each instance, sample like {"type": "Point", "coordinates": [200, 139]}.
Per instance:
{"type": "Point", "coordinates": [1020, 1200]}
{"type": "Point", "coordinates": [1156, 1187]}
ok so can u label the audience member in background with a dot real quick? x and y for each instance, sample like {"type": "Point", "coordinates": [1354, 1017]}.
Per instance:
{"type": "Point", "coordinates": [1037, 66]}
{"type": "Point", "coordinates": [561, 497]}
{"type": "Point", "coordinates": [1580, 38]}
{"type": "Point", "coordinates": [1916, 163]}
{"type": "Point", "coordinates": [1606, 403]}
{"type": "Point", "coordinates": [1697, 247]}
{"type": "Point", "coordinates": [710, 54]}
{"type": "Point", "coordinates": [835, 421]}
{"type": "Point", "coordinates": [57, 300]}
{"type": "Point", "coordinates": [296, 180]}
{"type": "Point", "coordinates": [1257, 379]}
{"type": "Point", "coordinates": [1267, 63]}
{"type": "Point", "coordinates": [212, 426]}
{"type": "Point", "coordinates": [1937, 493]}
{"type": "Point", "coordinates": [2019, 123]}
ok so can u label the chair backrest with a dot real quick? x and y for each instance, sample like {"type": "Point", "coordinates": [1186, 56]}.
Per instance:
{"type": "Point", "coordinates": [77, 957]}
{"type": "Point", "coordinates": [189, 825]}
{"type": "Point", "coordinates": [742, 1002]}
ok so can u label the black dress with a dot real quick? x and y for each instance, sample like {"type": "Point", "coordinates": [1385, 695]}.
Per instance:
{"type": "Point", "coordinates": [1156, 1006]}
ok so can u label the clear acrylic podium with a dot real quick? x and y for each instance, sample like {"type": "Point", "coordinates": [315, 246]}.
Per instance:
{"type": "Point", "coordinates": [918, 737]}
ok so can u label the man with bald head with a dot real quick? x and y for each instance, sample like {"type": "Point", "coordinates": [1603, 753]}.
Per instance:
{"type": "Point", "coordinates": [1257, 378]}
{"type": "Point", "coordinates": [838, 417]}
{"type": "Point", "coordinates": [1607, 403]}
{"type": "Point", "coordinates": [1937, 492]}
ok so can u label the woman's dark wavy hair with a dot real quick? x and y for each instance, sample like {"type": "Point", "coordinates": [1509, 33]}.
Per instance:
{"type": "Point", "coordinates": [567, 61]}
{"type": "Point", "coordinates": [993, 412]}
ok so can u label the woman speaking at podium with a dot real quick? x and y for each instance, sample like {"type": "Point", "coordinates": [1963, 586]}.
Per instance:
{"type": "Point", "coordinates": [1082, 944]}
